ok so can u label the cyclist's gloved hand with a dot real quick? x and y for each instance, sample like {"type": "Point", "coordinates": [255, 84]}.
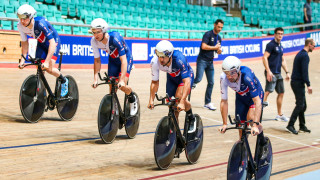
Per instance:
{"type": "Point", "coordinates": [256, 129]}
{"type": "Point", "coordinates": [151, 105]}
{"type": "Point", "coordinates": [181, 106]}
{"type": "Point", "coordinates": [121, 84]}
{"type": "Point", "coordinates": [94, 84]}
{"type": "Point", "coordinates": [45, 66]}
{"type": "Point", "coordinates": [21, 66]}
{"type": "Point", "coordinates": [223, 129]}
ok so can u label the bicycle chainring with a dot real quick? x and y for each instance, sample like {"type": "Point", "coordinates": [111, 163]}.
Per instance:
{"type": "Point", "coordinates": [51, 103]}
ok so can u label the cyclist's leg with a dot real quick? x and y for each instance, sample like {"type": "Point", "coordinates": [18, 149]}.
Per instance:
{"type": "Point", "coordinates": [242, 110]}
{"type": "Point", "coordinates": [171, 89]}
{"type": "Point", "coordinates": [114, 70]}
{"type": "Point", "coordinates": [51, 69]}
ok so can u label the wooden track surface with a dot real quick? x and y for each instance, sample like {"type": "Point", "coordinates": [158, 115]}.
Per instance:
{"type": "Point", "coordinates": [54, 149]}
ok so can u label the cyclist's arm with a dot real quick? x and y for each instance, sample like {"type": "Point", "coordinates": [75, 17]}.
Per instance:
{"type": "Point", "coordinates": [186, 88]}
{"type": "Point", "coordinates": [124, 64]}
{"type": "Point", "coordinates": [96, 68]}
{"type": "Point", "coordinates": [258, 108]}
{"type": "Point", "coordinates": [224, 110]}
{"type": "Point", "coordinates": [153, 90]}
{"type": "Point", "coordinates": [52, 48]}
{"type": "Point", "coordinates": [24, 50]}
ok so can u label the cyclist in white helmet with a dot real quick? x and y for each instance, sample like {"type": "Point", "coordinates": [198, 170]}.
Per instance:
{"type": "Point", "coordinates": [249, 94]}
{"type": "Point", "coordinates": [120, 58]}
{"type": "Point", "coordinates": [180, 77]}
{"type": "Point", "coordinates": [48, 46]}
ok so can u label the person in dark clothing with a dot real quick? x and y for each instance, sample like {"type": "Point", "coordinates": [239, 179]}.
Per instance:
{"type": "Point", "coordinates": [299, 78]}
{"type": "Point", "coordinates": [211, 44]}
{"type": "Point", "coordinates": [307, 11]}
{"type": "Point", "coordinates": [273, 60]}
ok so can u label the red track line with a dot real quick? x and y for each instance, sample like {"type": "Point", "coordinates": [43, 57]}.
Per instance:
{"type": "Point", "coordinates": [219, 164]}
{"type": "Point", "coordinates": [185, 171]}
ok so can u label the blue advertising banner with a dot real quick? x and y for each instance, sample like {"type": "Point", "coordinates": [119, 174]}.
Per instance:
{"type": "Point", "coordinates": [79, 50]}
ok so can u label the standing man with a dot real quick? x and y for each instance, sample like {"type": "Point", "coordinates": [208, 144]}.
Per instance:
{"type": "Point", "coordinates": [211, 44]}
{"type": "Point", "coordinates": [299, 78]}
{"type": "Point", "coordinates": [120, 58]}
{"type": "Point", "coordinates": [273, 61]}
{"type": "Point", "coordinates": [48, 46]}
{"type": "Point", "coordinates": [307, 11]}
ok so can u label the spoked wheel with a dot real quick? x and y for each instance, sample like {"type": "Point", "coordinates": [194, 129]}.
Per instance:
{"type": "Point", "coordinates": [265, 164]}
{"type": "Point", "coordinates": [32, 99]}
{"type": "Point", "coordinates": [165, 142]}
{"type": "Point", "coordinates": [108, 119]}
{"type": "Point", "coordinates": [132, 123]}
{"type": "Point", "coordinates": [68, 105]}
{"type": "Point", "coordinates": [195, 142]}
{"type": "Point", "coordinates": [238, 162]}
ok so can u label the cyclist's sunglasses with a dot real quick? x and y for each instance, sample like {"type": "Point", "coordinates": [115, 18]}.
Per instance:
{"type": "Point", "coordinates": [231, 72]}
{"type": "Point", "coordinates": [96, 32]}
{"type": "Point", "coordinates": [23, 16]}
{"type": "Point", "coordinates": [163, 54]}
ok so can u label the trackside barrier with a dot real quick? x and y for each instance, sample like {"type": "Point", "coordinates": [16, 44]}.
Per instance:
{"type": "Point", "coordinates": [79, 50]}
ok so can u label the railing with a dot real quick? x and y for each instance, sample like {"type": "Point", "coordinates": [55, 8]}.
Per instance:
{"type": "Point", "coordinates": [170, 30]}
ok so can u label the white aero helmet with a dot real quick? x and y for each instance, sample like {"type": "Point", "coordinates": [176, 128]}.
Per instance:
{"type": "Point", "coordinates": [164, 48]}
{"type": "Point", "coordinates": [99, 23]}
{"type": "Point", "coordinates": [231, 63]}
{"type": "Point", "coordinates": [26, 11]}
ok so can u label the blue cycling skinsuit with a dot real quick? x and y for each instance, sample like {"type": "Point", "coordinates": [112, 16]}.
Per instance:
{"type": "Point", "coordinates": [247, 87]}
{"type": "Point", "coordinates": [115, 47]}
{"type": "Point", "coordinates": [42, 31]}
{"type": "Point", "coordinates": [179, 69]}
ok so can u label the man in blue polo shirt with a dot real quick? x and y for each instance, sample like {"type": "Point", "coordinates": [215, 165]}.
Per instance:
{"type": "Point", "coordinates": [211, 44]}
{"type": "Point", "coordinates": [273, 61]}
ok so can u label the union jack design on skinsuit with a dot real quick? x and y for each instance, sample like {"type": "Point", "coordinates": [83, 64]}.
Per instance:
{"type": "Point", "coordinates": [175, 74]}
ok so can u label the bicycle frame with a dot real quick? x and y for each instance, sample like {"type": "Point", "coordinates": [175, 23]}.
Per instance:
{"type": "Point", "coordinates": [113, 83]}
{"type": "Point", "coordinates": [172, 116]}
{"type": "Point", "coordinates": [245, 130]}
{"type": "Point", "coordinates": [38, 63]}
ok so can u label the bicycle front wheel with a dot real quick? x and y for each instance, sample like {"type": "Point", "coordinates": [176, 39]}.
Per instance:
{"type": "Point", "coordinates": [108, 119]}
{"type": "Point", "coordinates": [265, 165]}
{"type": "Point", "coordinates": [68, 108]}
{"type": "Point", "coordinates": [238, 162]}
{"type": "Point", "coordinates": [32, 99]}
{"type": "Point", "coordinates": [195, 142]}
{"type": "Point", "coordinates": [132, 122]}
{"type": "Point", "coordinates": [165, 143]}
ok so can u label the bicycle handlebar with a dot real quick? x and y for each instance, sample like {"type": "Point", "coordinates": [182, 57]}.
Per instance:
{"type": "Point", "coordinates": [34, 61]}
{"type": "Point", "coordinates": [107, 79]}
{"type": "Point", "coordinates": [239, 124]}
{"type": "Point", "coordinates": [163, 100]}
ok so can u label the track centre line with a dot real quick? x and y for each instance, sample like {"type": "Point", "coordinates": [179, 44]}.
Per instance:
{"type": "Point", "coordinates": [311, 146]}
{"type": "Point", "coordinates": [88, 139]}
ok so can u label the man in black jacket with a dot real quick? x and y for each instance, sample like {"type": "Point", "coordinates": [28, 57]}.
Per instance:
{"type": "Point", "coordinates": [299, 78]}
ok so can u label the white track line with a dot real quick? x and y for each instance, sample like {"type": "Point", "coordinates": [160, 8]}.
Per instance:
{"type": "Point", "coordinates": [292, 141]}
{"type": "Point", "coordinates": [211, 119]}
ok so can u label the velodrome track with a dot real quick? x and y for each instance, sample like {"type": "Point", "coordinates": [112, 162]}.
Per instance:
{"type": "Point", "coordinates": [54, 149]}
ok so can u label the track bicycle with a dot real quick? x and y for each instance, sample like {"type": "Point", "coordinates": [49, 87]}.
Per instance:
{"type": "Point", "coordinates": [241, 164]}
{"type": "Point", "coordinates": [169, 141]}
{"type": "Point", "coordinates": [33, 99]}
{"type": "Point", "coordinates": [110, 115]}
